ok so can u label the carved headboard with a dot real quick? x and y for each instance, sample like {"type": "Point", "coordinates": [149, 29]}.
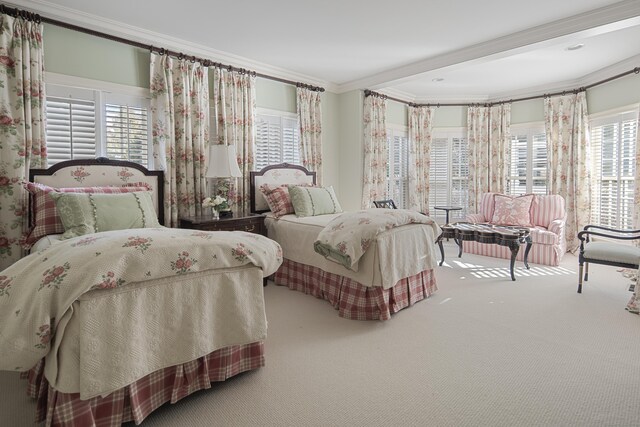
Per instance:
{"type": "Point", "coordinates": [102, 172]}
{"type": "Point", "coordinates": [274, 176]}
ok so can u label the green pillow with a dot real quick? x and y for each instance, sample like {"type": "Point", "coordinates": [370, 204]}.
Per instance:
{"type": "Point", "coordinates": [84, 213]}
{"type": "Point", "coordinates": [311, 201]}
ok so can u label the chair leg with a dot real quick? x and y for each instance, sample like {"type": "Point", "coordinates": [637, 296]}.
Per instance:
{"type": "Point", "coordinates": [586, 272]}
{"type": "Point", "coordinates": [580, 279]}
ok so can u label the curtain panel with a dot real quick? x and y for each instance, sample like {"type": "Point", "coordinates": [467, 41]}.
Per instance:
{"type": "Point", "coordinates": [478, 140]}
{"type": "Point", "coordinates": [180, 126]}
{"type": "Point", "coordinates": [376, 151]}
{"type": "Point", "coordinates": [420, 127]}
{"type": "Point", "coordinates": [567, 129]}
{"type": "Point", "coordinates": [22, 126]}
{"type": "Point", "coordinates": [234, 100]}
{"type": "Point", "coordinates": [310, 120]}
{"type": "Point", "coordinates": [489, 139]}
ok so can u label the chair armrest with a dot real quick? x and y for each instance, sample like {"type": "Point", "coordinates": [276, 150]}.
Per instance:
{"type": "Point", "coordinates": [609, 233]}
{"type": "Point", "coordinates": [476, 218]}
{"type": "Point", "coordinates": [557, 226]}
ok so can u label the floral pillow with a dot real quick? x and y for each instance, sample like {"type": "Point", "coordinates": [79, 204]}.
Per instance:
{"type": "Point", "coordinates": [512, 210]}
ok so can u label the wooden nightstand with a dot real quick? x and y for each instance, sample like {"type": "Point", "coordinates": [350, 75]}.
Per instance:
{"type": "Point", "coordinates": [253, 223]}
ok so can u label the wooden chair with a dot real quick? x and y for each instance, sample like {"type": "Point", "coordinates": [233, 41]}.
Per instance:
{"type": "Point", "coordinates": [388, 204]}
{"type": "Point", "coordinates": [607, 252]}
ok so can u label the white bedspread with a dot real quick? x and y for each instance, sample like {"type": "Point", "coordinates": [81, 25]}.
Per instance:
{"type": "Point", "coordinates": [394, 254]}
{"type": "Point", "coordinates": [116, 285]}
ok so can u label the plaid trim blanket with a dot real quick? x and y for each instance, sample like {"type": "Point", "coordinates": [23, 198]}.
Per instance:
{"type": "Point", "coordinates": [346, 238]}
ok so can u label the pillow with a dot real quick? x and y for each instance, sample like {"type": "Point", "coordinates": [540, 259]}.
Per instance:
{"type": "Point", "coordinates": [44, 215]}
{"type": "Point", "coordinates": [84, 213]}
{"type": "Point", "coordinates": [311, 201]}
{"type": "Point", "coordinates": [512, 210]}
{"type": "Point", "coordinates": [278, 200]}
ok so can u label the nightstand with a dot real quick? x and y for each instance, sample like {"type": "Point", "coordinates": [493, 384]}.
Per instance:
{"type": "Point", "coordinates": [253, 223]}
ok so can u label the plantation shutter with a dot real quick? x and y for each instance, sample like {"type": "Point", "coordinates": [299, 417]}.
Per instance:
{"type": "Point", "coordinates": [613, 142]}
{"type": "Point", "coordinates": [277, 141]}
{"type": "Point", "coordinates": [459, 176]}
{"type": "Point", "coordinates": [127, 133]}
{"type": "Point", "coordinates": [539, 164]}
{"type": "Point", "coordinates": [439, 177]}
{"type": "Point", "coordinates": [518, 174]}
{"type": "Point", "coordinates": [70, 130]}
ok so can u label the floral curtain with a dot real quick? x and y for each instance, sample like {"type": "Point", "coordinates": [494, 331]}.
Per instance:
{"type": "Point", "coordinates": [499, 147]}
{"type": "Point", "coordinates": [180, 123]}
{"type": "Point", "coordinates": [376, 151]}
{"type": "Point", "coordinates": [567, 129]}
{"type": "Point", "coordinates": [234, 100]}
{"type": "Point", "coordinates": [420, 125]}
{"type": "Point", "coordinates": [310, 119]}
{"type": "Point", "coordinates": [22, 126]}
{"type": "Point", "coordinates": [489, 138]}
{"type": "Point", "coordinates": [478, 140]}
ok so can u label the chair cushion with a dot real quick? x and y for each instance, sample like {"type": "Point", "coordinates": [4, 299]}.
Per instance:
{"type": "Point", "coordinates": [542, 236]}
{"type": "Point", "coordinates": [612, 252]}
{"type": "Point", "coordinates": [547, 208]}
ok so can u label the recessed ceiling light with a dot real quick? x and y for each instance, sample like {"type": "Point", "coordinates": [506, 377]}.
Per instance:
{"type": "Point", "coordinates": [576, 46]}
{"type": "Point", "coordinates": [437, 79]}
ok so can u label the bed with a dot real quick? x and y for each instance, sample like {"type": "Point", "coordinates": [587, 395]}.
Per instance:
{"type": "Point", "coordinates": [395, 272]}
{"type": "Point", "coordinates": [119, 322]}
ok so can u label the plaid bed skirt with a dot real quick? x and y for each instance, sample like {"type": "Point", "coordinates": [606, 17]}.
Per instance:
{"type": "Point", "coordinates": [136, 401]}
{"type": "Point", "coordinates": [352, 299]}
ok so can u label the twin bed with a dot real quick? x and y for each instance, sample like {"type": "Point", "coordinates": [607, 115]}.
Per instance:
{"type": "Point", "coordinates": [119, 322]}
{"type": "Point", "coordinates": [396, 271]}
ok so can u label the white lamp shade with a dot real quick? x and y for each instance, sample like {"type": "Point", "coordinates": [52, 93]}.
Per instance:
{"type": "Point", "coordinates": [222, 162]}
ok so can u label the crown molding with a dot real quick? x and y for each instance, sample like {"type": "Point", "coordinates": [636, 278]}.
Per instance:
{"type": "Point", "coordinates": [609, 18]}
{"type": "Point", "coordinates": [97, 23]}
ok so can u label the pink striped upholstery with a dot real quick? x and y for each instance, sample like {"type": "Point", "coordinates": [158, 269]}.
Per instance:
{"type": "Point", "coordinates": [545, 209]}
{"type": "Point", "coordinates": [548, 215]}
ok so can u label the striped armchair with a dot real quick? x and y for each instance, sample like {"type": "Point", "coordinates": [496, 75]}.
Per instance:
{"type": "Point", "coordinates": [548, 216]}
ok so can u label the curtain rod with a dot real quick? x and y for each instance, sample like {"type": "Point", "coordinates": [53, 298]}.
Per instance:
{"type": "Point", "coordinates": [206, 62]}
{"type": "Point", "coordinates": [635, 70]}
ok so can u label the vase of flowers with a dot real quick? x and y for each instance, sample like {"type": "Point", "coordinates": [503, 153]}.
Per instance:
{"type": "Point", "coordinates": [217, 204]}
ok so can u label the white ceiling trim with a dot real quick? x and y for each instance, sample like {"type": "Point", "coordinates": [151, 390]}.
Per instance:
{"type": "Point", "coordinates": [610, 18]}
{"type": "Point", "coordinates": [141, 35]}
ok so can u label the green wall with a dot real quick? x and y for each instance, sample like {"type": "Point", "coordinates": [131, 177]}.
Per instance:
{"type": "Point", "coordinates": [77, 54]}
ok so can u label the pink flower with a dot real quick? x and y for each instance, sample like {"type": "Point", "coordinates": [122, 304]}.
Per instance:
{"type": "Point", "coordinates": [48, 280]}
{"type": "Point", "coordinates": [4, 242]}
{"type": "Point", "coordinates": [187, 263]}
{"type": "Point", "coordinates": [180, 264]}
{"type": "Point", "coordinates": [57, 271]}
{"type": "Point", "coordinates": [5, 60]}
{"type": "Point", "coordinates": [4, 180]}
{"type": "Point", "coordinates": [5, 120]}
{"type": "Point", "coordinates": [110, 274]}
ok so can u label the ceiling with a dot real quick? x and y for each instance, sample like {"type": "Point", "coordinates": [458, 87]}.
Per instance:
{"type": "Point", "coordinates": [483, 50]}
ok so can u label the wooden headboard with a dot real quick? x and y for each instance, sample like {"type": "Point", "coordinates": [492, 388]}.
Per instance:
{"type": "Point", "coordinates": [102, 172]}
{"type": "Point", "coordinates": [274, 176]}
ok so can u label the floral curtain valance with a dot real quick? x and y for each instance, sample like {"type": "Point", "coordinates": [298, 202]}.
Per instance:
{"type": "Point", "coordinates": [235, 105]}
{"type": "Point", "coordinates": [420, 126]}
{"type": "Point", "coordinates": [22, 126]}
{"type": "Point", "coordinates": [376, 151]}
{"type": "Point", "coordinates": [310, 119]}
{"type": "Point", "coordinates": [180, 123]}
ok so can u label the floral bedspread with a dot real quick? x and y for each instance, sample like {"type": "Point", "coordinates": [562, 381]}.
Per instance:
{"type": "Point", "coordinates": [41, 287]}
{"type": "Point", "coordinates": [346, 238]}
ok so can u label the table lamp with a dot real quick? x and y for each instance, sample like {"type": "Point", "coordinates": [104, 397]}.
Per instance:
{"type": "Point", "coordinates": [222, 165]}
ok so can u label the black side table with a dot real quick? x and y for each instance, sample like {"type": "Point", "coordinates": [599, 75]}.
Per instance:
{"type": "Point", "coordinates": [447, 209]}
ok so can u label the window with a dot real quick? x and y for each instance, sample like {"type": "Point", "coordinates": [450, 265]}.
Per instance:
{"type": "Point", "coordinates": [449, 174]}
{"type": "Point", "coordinates": [398, 172]}
{"type": "Point", "coordinates": [85, 123]}
{"type": "Point", "coordinates": [528, 171]}
{"type": "Point", "coordinates": [277, 139]}
{"type": "Point", "coordinates": [613, 145]}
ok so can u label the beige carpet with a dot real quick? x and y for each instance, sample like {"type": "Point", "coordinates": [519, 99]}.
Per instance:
{"type": "Point", "coordinates": [483, 351]}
